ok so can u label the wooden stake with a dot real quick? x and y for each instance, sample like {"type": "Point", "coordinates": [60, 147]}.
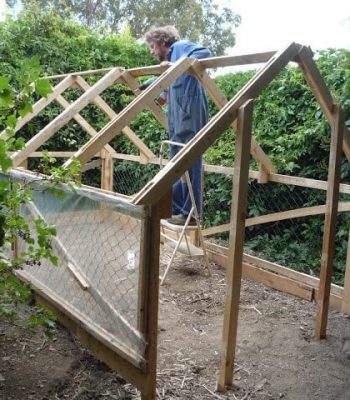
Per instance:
{"type": "Point", "coordinates": [346, 298]}
{"type": "Point", "coordinates": [107, 171]}
{"type": "Point", "coordinates": [149, 290]}
{"type": "Point", "coordinates": [330, 223]}
{"type": "Point", "coordinates": [235, 256]}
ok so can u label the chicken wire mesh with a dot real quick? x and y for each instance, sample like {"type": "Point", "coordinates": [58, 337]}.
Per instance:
{"type": "Point", "coordinates": [129, 177]}
{"type": "Point", "coordinates": [98, 245]}
{"type": "Point", "coordinates": [292, 242]}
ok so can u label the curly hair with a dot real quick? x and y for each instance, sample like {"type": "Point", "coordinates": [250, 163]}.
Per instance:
{"type": "Point", "coordinates": [164, 34]}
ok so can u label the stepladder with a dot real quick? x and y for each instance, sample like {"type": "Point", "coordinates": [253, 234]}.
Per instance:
{"type": "Point", "coordinates": [186, 239]}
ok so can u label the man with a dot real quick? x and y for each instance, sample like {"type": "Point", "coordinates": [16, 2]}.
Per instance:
{"type": "Point", "coordinates": [187, 112]}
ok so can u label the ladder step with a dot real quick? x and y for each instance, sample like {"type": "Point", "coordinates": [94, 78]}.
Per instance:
{"type": "Point", "coordinates": [190, 250]}
{"type": "Point", "coordinates": [177, 228]}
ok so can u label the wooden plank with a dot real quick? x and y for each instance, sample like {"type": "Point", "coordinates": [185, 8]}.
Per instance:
{"type": "Point", "coordinates": [328, 246]}
{"type": "Point", "coordinates": [211, 62]}
{"type": "Point", "coordinates": [187, 249]}
{"type": "Point", "coordinates": [79, 73]}
{"type": "Point", "coordinates": [107, 171]}
{"type": "Point", "coordinates": [234, 270]}
{"type": "Point", "coordinates": [149, 289]}
{"type": "Point", "coordinates": [229, 61]}
{"type": "Point", "coordinates": [120, 203]}
{"type": "Point", "coordinates": [82, 122]}
{"type": "Point", "coordinates": [78, 276]}
{"type": "Point", "coordinates": [305, 182]}
{"type": "Point", "coordinates": [279, 216]}
{"type": "Point", "coordinates": [345, 308]}
{"type": "Point", "coordinates": [125, 116]}
{"type": "Point", "coordinates": [278, 178]}
{"type": "Point", "coordinates": [111, 115]}
{"type": "Point", "coordinates": [220, 100]}
{"type": "Point", "coordinates": [91, 165]}
{"type": "Point", "coordinates": [49, 130]}
{"type": "Point", "coordinates": [300, 277]}
{"type": "Point", "coordinates": [270, 279]}
{"type": "Point", "coordinates": [320, 90]}
{"type": "Point", "coordinates": [42, 103]}
{"type": "Point", "coordinates": [281, 283]}
{"type": "Point", "coordinates": [152, 106]}
{"type": "Point", "coordinates": [101, 343]}
{"type": "Point", "coordinates": [208, 134]}
{"type": "Point", "coordinates": [296, 280]}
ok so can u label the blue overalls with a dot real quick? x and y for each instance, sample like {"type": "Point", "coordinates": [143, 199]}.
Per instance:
{"type": "Point", "coordinates": [187, 114]}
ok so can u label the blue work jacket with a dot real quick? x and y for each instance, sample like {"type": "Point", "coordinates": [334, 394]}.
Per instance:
{"type": "Point", "coordinates": [187, 101]}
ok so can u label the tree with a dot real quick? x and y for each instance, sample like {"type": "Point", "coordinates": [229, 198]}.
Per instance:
{"type": "Point", "coordinates": [198, 20]}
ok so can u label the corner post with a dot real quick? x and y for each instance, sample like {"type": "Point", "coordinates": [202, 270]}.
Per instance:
{"type": "Point", "coordinates": [235, 254]}
{"type": "Point", "coordinates": [330, 223]}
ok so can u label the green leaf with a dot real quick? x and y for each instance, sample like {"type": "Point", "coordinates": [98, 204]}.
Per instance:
{"type": "Point", "coordinates": [11, 120]}
{"type": "Point", "coordinates": [25, 109]}
{"type": "Point", "coordinates": [5, 164]}
{"type": "Point", "coordinates": [43, 87]}
{"type": "Point", "coordinates": [4, 83]}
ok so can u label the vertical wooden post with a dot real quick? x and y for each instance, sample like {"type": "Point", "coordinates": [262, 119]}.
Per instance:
{"type": "Point", "coordinates": [346, 298]}
{"type": "Point", "coordinates": [106, 171]}
{"type": "Point", "coordinates": [235, 255]}
{"type": "Point", "coordinates": [147, 320]}
{"type": "Point", "coordinates": [328, 246]}
{"type": "Point", "coordinates": [24, 164]}
{"type": "Point", "coordinates": [263, 174]}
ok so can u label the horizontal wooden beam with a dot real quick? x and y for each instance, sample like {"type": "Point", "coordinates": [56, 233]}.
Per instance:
{"type": "Point", "coordinates": [120, 203]}
{"type": "Point", "coordinates": [104, 346]}
{"type": "Point", "coordinates": [278, 216]}
{"type": "Point", "coordinates": [296, 283]}
{"type": "Point", "coordinates": [279, 178]}
{"type": "Point", "coordinates": [213, 62]}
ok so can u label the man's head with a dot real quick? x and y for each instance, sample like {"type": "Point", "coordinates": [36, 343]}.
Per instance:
{"type": "Point", "coordinates": [160, 39]}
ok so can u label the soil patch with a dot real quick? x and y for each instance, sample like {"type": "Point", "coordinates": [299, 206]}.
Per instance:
{"type": "Point", "coordinates": [276, 355]}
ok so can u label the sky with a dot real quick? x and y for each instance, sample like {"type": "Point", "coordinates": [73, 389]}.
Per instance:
{"type": "Point", "coordinates": [272, 24]}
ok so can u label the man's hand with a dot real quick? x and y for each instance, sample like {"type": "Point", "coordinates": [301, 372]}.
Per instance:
{"type": "Point", "coordinates": [165, 64]}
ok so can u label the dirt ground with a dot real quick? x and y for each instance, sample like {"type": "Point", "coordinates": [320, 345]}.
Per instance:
{"type": "Point", "coordinates": [276, 356]}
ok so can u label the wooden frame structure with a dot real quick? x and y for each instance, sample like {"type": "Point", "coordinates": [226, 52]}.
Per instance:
{"type": "Point", "coordinates": [236, 112]}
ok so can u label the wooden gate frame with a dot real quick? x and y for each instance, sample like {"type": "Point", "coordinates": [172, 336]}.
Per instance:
{"type": "Point", "coordinates": [238, 108]}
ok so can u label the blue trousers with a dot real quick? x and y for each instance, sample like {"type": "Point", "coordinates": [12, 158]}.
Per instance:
{"type": "Point", "coordinates": [182, 203]}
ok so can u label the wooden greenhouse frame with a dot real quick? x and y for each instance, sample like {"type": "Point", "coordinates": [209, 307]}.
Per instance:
{"type": "Point", "coordinates": [155, 196]}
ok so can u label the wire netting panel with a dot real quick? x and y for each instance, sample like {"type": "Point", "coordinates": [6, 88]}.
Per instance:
{"type": "Point", "coordinates": [292, 241]}
{"type": "Point", "coordinates": [98, 246]}
{"type": "Point", "coordinates": [129, 177]}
